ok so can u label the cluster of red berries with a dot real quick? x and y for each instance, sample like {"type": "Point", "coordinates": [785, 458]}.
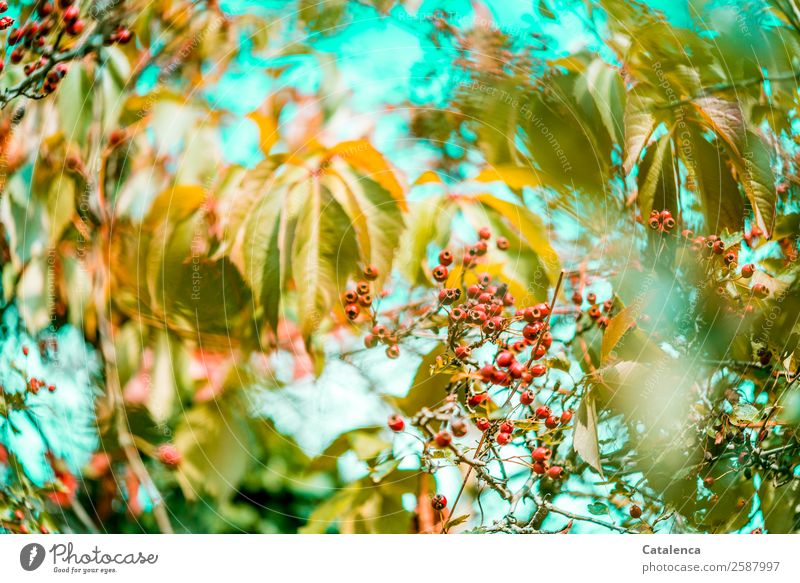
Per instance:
{"type": "Point", "coordinates": [31, 38]}
{"type": "Point", "coordinates": [35, 384]}
{"type": "Point", "coordinates": [382, 334]}
{"type": "Point", "coordinates": [470, 256]}
{"type": "Point", "coordinates": [661, 221]}
{"type": "Point", "coordinates": [712, 246]}
{"type": "Point", "coordinates": [360, 297]}
{"type": "Point", "coordinates": [597, 312]}
{"type": "Point", "coordinates": [483, 308]}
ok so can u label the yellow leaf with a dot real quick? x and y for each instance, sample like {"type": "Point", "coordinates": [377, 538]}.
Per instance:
{"type": "Point", "coordinates": [267, 129]}
{"type": "Point", "coordinates": [428, 177]}
{"type": "Point", "coordinates": [531, 228]}
{"type": "Point", "coordinates": [513, 176]}
{"type": "Point", "coordinates": [174, 204]}
{"type": "Point", "coordinates": [361, 155]}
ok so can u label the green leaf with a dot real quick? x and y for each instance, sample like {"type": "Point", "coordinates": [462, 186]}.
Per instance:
{"type": "Point", "coordinates": [530, 228]}
{"type": "Point", "coordinates": [214, 440]}
{"type": "Point", "coordinates": [597, 508]}
{"type": "Point", "coordinates": [584, 440]}
{"type": "Point", "coordinates": [456, 521]}
{"type": "Point", "coordinates": [720, 196]}
{"type": "Point", "coordinates": [428, 223]}
{"type": "Point", "coordinates": [657, 178]}
{"type": "Point", "coordinates": [758, 180]}
{"type": "Point", "coordinates": [427, 389]}
{"type": "Point", "coordinates": [724, 118]}
{"type": "Point", "coordinates": [605, 86]}
{"type": "Point", "coordinates": [640, 122]}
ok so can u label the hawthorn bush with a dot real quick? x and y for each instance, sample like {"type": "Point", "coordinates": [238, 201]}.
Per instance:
{"type": "Point", "coordinates": [575, 309]}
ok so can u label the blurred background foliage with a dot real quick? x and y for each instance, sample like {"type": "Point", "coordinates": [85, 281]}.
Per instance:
{"type": "Point", "coordinates": [182, 216]}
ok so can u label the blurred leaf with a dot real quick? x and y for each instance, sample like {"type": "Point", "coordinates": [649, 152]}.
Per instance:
{"type": "Point", "coordinates": [426, 389]}
{"type": "Point", "coordinates": [214, 440]}
{"type": "Point", "coordinates": [597, 508]}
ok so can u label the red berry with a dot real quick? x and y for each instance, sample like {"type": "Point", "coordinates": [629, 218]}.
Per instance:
{"type": "Point", "coordinates": [371, 272]}
{"type": "Point", "coordinates": [591, 298]}
{"type": "Point", "coordinates": [748, 270]}
{"type": "Point", "coordinates": [540, 454]}
{"type": "Point", "coordinates": [517, 370]}
{"type": "Point", "coordinates": [445, 257]}
{"type": "Point", "coordinates": [502, 243]}
{"type": "Point", "coordinates": [72, 13]}
{"type": "Point", "coordinates": [3, 6]}
{"type": "Point", "coordinates": [440, 273]}
{"type": "Point", "coordinates": [169, 455]}
{"type": "Point", "coordinates": [393, 351]}
{"type": "Point", "coordinates": [539, 468]}
{"type": "Point", "coordinates": [505, 359]}
{"type": "Point", "coordinates": [482, 423]}
{"type": "Point", "coordinates": [499, 377]}
{"type": "Point", "coordinates": [538, 370]}
{"type": "Point", "coordinates": [551, 422]}
{"type": "Point", "coordinates": [396, 423]}
{"type": "Point", "coordinates": [76, 28]}
{"type": "Point", "coordinates": [25, 350]}
{"type": "Point", "coordinates": [547, 340]}
{"type": "Point", "coordinates": [635, 511]}
{"type": "Point", "coordinates": [526, 397]}
{"type": "Point", "coordinates": [467, 259]}
{"type": "Point", "coordinates": [566, 416]}
{"type": "Point", "coordinates": [463, 352]}
{"type": "Point", "coordinates": [760, 290]}
{"type": "Point", "coordinates": [443, 439]}
{"type": "Point", "coordinates": [459, 427]}
{"type": "Point", "coordinates": [577, 298]}
{"type": "Point", "coordinates": [439, 502]}
{"type": "Point", "coordinates": [543, 412]}
{"type": "Point", "coordinates": [370, 341]}
{"type": "Point", "coordinates": [503, 438]}
{"type": "Point", "coordinates": [507, 427]}
{"type": "Point", "coordinates": [477, 399]}
{"type": "Point", "coordinates": [485, 233]}
{"type": "Point", "coordinates": [531, 331]}
{"type": "Point", "coordinates": [351, 310]}
{"type": "Point", "coordinates": [51, 388]}
{"type": "Point", "coordinates": [555, 472]}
